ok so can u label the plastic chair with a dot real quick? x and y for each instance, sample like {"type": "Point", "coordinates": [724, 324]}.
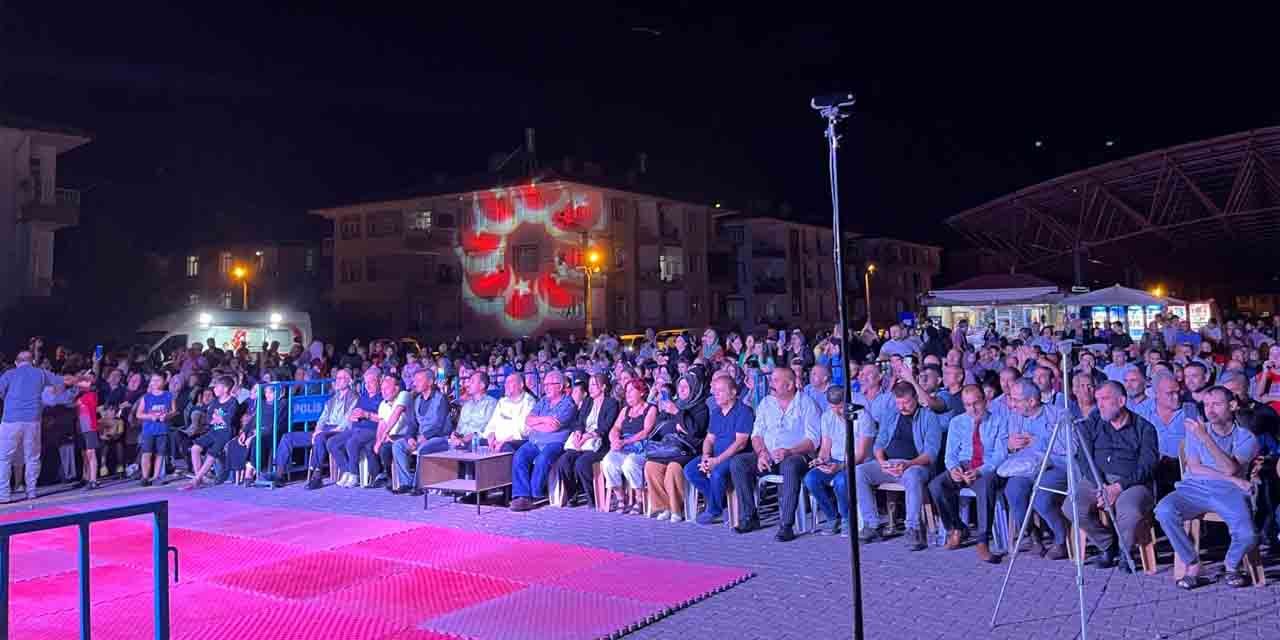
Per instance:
{"type": "Point", "coordinates": [1252, 561]}
{"type": "Point", "coordinates": [893, 487]}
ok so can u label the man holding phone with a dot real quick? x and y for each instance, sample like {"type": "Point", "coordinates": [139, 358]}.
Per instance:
{"type": "Point", "coordinates": [975, 448]}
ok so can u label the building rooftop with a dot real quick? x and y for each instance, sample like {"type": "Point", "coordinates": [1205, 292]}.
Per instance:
{"type": "Point", "coordinates": [1001, 281]}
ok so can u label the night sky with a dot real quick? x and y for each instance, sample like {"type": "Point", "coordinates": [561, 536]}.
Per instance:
{"type": "Point", "coordinates": [221, 119]}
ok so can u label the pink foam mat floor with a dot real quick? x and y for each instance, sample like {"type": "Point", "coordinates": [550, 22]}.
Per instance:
{"type": "Point", "coordinates": [250, 572]}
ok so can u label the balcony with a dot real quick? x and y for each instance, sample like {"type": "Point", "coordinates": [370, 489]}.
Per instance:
{"type": "Point", "coordinates": [763, 250]}
{"type": "Point", "coordinates": [63, 211]}
{"type": "Point", "coordinates": [656, 277]}
{"type": "Point", "coordinates": [770, 285]}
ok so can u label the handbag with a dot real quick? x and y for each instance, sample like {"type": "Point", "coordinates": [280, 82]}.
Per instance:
{"type": "Point", "coordinates": [1023, 464]}
{"type": "Point", "coordinates": [667, 442]}
{"type": "Point", "coordinates": [110, 427]}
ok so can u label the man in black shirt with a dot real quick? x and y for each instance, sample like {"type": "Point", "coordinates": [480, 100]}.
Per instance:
{"type": "Point", "coordinates": [1124, 451]}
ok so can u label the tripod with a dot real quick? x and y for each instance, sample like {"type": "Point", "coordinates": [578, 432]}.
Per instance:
{"type": "Point", "coordinates": [1072, 440]}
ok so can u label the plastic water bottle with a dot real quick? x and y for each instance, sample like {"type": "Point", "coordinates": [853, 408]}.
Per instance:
{"type": "Point", "coordinates": [475, 443]}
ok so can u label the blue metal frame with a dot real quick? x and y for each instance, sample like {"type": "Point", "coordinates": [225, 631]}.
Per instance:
{"type": "Point", "coordinates": [284, 393]}
{"type": "Point", "coordinates": [159, 547]}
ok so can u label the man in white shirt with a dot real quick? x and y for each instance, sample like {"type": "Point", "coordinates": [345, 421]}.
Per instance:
{"type": "Point", "coordinates": [786, 432]}
{"type": "Point", "coordinates": [898, 344]}
{"type": "Point", "coordinates": [506, 429]}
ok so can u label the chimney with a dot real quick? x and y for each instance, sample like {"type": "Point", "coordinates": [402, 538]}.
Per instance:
{"type": "Point", "coordinates": [642, 162]}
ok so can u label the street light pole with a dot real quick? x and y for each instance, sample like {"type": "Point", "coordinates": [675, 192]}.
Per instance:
{"type": "Point", "coordinates": [242, 274]}
{"type": "Point", "coordinates": [590, 264]}
{"type": "Point", "coordinates": [590, 329]}
{"type": "Point", "coordinates": [871, 268]}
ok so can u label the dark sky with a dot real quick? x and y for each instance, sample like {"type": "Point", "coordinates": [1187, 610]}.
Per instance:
{"type": "Point", "coordinates": [234, 116]}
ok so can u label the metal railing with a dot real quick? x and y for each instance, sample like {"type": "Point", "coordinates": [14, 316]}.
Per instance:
{"type": "Point", "coordinates": [159, 547]}
{"type": "Point", "coordinates": [299, 403]}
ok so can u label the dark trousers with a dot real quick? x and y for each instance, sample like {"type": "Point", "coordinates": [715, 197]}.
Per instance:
{"type": "Point", "coordinates": [574, 471]}
{"type": "Point", "coordinates": [745, 474]}
{"type": "Point", "coordinates": [346, 446]}
{"type": "Point", "coordinates": [946, 499]}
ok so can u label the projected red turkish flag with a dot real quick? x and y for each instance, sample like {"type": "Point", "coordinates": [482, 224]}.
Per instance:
{"type": "Point", "coordinates": [498, 211]}
{"type": "Point", "coordinates": [478, 241]}
{"type": "Point", "coordinates": [521, 302]}
{"type": "Point", "coordinates": [491, 284]}
{"type": "Point", "coordinates": [574, 216]}
{"type": "Point", "coordinates": [553, 292]}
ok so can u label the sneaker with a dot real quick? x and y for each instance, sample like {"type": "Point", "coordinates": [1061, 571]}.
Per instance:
{"type": "Point", "coordinates": [145, 482]}
{"type": "Point", "coordinates": [31, 495]}
{"type": "Point", "coordinates": [675, 517]}
{"type": "Point", "coordinates": [314, 483]}
{"type": "Point", "coordinates": [707, 518]}
{"type": "Point", "coordinates": [915, 540]}
{"type": "Point", "coordinates": [868, 535]}
{"type": "Point", "coordinates": [832, 528]}
{"type": "Point", "coordinates": [660, 515]}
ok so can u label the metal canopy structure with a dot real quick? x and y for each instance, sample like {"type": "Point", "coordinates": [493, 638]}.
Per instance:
{"type": "Point", "coordinates": [1214, 196]}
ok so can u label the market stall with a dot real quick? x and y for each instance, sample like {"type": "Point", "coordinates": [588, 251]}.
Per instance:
{"type": "Point", "coordinates": [1132, 308]}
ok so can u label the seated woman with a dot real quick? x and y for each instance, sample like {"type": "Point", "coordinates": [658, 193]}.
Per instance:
{"type": "Point", "coordinates": [597, 411]}
{"type": "Point", "coordinates": [664, 472]}
{"type": "Point", "coordinates": [623, 466]}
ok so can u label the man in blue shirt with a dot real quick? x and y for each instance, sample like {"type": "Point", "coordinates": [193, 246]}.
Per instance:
{"type": "Point", "coordinates": [906, 453]}
{"type": "Point", "coordinates": [977, 442]}
{"type": "Point", "coordinates": [728, 433]}
{"type": "Point", "coordinates": [1218, 459]}
{"type": "Point", "coordinates": [548, 424]}
{"type": "Point", "coordinates": [819, 381]}
{"type": "Point", "coordinates": [345, 445]}
{"type": "Point", "coordinates": [21, 388]}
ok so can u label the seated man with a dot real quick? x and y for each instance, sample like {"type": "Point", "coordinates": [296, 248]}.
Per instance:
{"type": "Point", "coordinates": [1168, 414]}
{"type": "Point", "coordinates": [1030, 427]}
{"type": "Point", "coordinates": [828, 473]}
{"type": "Point", "coordinates": [347, 445]}
{"type": "Point", "coordinates": [905, 453]}
{"type": "Point", "coordinates": [428, 429]}
{"type": "Point", "coordinates": [1218, 458]}
{"type": "Point", "coordinates": [475, 412]}
{"type": "Point", "coordinates": [1124, 451]}
{"type": "Point", "coordinates": [395, 424]}
{"type": "Point", "coordinates": [335, 417]}
{"type": "Point", "coordinates": [223, 426]}
{"type": "Point", "coordinates": [976, 445]}
{"type": "Point", "coordinates": [506, 429]}
{"type": "Point", "coordinates": [785, 432]}
{"type": "Point", "coordinates": [728, 433]}
{"type": "Point", "coordinates": [548, 427]}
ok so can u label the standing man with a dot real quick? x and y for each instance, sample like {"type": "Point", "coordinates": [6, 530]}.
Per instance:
{"type": "Point", "coordinates": [21, 388]}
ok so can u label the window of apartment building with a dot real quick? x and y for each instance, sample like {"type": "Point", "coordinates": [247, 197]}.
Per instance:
{"type": "Point", "coordinates": [794, 236]}
{"type": "Point", "coordinates": [382, 224]}
{"type": "Point", "coordinates": [224, 263]}
{"type": "Point", "coordinates": [771, 309]}
{"type": "Point", "coordinates": [226, 299]}
{"type": "Point", "coordinates": [915, 280]}
{"type": "Point", "coordinates": [735, 234]}
{"type": "Point", "coordinates": [619, 257]}
{"type": "Point", "coordinates": [736, 309]}
{"type": "Point", "coordinates": [620, 310]}
{"type": "Point", "coordinates": [420, 220]}
{"type": "Point", "coordinates": [380, 268]}
{"type": "Point", "coordinates": [617, 209]}
{"type": "Point", "coordinates": [193, 266]}
{"type": "Point", "coordinates": [695, 263]}
{"type": "Point", "coordinates": [695, 306]}
{"type": "Point", "coordinates": [351, 270]}
{"type": "Point", "coordinates": [671, 264]}
{"type": "Point", "coordinates": [350, 226]}
{"type": "Point", "coordinates": [796, 304]}
{"type": "Point", "coordinates": [260, 258]}
{"type": "Point", "coordinates": [193, 299]}
{"type": "Point", "coordinates": [309, 261]}
{"type": "Point", "coordinates": [526, 258]}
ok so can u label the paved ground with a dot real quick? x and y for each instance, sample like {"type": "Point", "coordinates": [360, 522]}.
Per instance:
{"type": "Point", "coordinates": [801, 590]}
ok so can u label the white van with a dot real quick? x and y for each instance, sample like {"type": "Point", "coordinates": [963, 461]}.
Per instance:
{"type": "Point", "coordinates": [163, 337]}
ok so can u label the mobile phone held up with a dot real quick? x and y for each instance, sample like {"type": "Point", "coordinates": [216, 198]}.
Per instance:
{"type": "Point", "coordinates": [97, 352]}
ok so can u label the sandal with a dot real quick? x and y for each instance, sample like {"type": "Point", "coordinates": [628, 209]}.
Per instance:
{"type": "Point", "coordinates": [1237, 579]}
{"type": "Point", "coordinates": [1189, 583]}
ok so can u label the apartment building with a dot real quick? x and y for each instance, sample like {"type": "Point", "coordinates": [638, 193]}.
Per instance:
{"type": "Point", "coordinates": [296, 275]}
{"type": "Point", "coordinates": [504, 258]}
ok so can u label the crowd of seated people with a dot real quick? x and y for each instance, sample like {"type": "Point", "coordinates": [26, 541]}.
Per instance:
{"type": "Point", "coordinates": [1174, 425]}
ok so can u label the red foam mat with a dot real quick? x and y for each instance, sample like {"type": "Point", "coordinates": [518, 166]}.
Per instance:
{"type": "Point", "coordinates": [672, 583]}
{"type": "Point", "coordinates": [310, 575]}
{"type": "Point", "coordinates": [201, 554]}
{"type": "Point", "coordinates": [531, 561]}
{"type": "Point", "coordinates": [291, 621]}
{"type": "Point", "coordinates": [37, 563]}
{"type": "Point", "coordinates": [432, 546]}
{"type": "Point", "coordinates": [544, 613]}
{"type": "Point", "coordinates": [338, 531]}
{"type": "Point", "coordinates": [417, 595]}
{"type": "Point", "coordinates": [61, 591]}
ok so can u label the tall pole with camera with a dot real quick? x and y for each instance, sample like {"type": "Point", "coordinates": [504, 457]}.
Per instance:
{"type": "Point", "coordinates": [831, 108]}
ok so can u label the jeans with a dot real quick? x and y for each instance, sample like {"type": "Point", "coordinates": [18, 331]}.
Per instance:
{"type": "Point", "coordinates": [713, 487]}
{"type": "Point", "coordinates": [745, 474]}
{"type": "Point", "coordinates": [304, 440]}
{"type": "Point", "coordinates": [946, 499]}
{"type": "Point", "coordinates": [869, 475]}
{"type": "Point", "coordinates": [345, 448]}
{"type": "Point", "coordinates": [1191, 500]}
{"type": "Point", "coordinates": [1018, 492]}
{"type": "Point", "coordinates": [530, 467]}
{"type": "Point", "coordinates": [11, 435]}
{"type": "Point", "coordinates": [400, 451]}
{"type": "Point", "coordinates": [821, 485]}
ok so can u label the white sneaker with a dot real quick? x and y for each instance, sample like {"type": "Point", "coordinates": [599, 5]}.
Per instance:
{"type": "Point", "coordinates": [661, 515]}
{"type": "Point", "coordinates": [352, 480]}
{"type": "Point", "coordinates": [675, 517]}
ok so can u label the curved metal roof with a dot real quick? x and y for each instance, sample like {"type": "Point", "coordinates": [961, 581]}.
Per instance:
{"type": "Point", "coordinates": [1221, 194]}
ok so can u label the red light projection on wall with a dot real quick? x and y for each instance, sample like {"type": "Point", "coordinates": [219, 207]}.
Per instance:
{"type": "Point", "coordinates": [525, 303]}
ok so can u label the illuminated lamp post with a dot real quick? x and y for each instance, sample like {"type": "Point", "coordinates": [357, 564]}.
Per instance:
{"type": "Point", "coordinates": [242, 274]}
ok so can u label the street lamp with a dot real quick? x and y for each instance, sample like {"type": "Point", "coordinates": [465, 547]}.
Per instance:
{"type": "Point", "coordinates": [1158, 291]}
{"type": "Point", "coordinates": [592, 266]}
{"type": "Point", "coordinates": [242, 274]}
{"type": "Point", "coordinates": [871, 268]}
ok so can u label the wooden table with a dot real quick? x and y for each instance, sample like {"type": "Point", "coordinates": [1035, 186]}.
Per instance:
{"type": "Point", "coordinates": [440, 471]}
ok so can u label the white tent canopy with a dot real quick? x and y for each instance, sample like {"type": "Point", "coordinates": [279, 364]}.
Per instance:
{"type": "Point", "coordinates": [1120, 296]}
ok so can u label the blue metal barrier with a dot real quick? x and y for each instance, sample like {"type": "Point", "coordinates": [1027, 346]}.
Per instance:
{"type": "Point", "coordinates": [302, 403]}
{"type": "Point", "coordinates": [159, 547]}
